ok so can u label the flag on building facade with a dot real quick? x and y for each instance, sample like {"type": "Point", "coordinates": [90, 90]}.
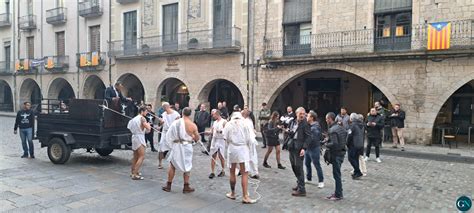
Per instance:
{"type": "Point", "coordinates": [439, 36]}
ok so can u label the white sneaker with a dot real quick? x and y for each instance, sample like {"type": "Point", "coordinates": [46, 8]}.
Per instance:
{"type": "Point", "coordinates": [366, 158]}
{"type": "Point", "coordinates": [352, 172]}
{"type": "Point", "coordinates": [321, 185]}
{"type": "Point", "coordinates": [308, 181]}
{"type": "Point", "coordinates": [378, 160]}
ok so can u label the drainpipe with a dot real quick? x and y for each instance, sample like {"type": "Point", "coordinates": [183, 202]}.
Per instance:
{"type": "Point", "coordinates": [77, 43]}
{"type": "Point", "coordinates": [110, 40]}
{"type": "Point", "coordinates": [248, 53]}
{"type": "Point", "coordinates": [42, 65]}
{"type": "Point", "coordinates": [15, 93]}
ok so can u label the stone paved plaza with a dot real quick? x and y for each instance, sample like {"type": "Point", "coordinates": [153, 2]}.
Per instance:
{"type": "Point", "coordinates": [89, 183]}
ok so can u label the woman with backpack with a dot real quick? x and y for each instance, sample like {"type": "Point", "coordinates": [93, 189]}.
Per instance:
{"type": "Point", "coordinates": [272, 135]}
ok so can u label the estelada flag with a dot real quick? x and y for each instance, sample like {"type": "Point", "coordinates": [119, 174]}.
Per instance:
{"type": "Point", "coordinates": [439, 36]}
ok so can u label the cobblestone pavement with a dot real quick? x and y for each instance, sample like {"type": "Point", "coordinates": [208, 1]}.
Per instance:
{"type": "Point", "coordinates": [90, 183]}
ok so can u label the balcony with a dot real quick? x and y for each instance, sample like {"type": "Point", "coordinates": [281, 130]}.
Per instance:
{"type": "Point", "coordinates": [91, 61]}
{"type": "Point", "coordinates": [90, 8]}
{"type": "Point", "coordinates": [23, 66]}
{"type": "Point", "coordinates": [126, 1]}
{"type": "Point", "coordinates": [5, 20]}
{"type": "Point", "coordinates": [27, 22]}
{"type": "Point", "coordinates": [6, 68]}
{"type": "Point", "coordinates": [56, 16]}
{"type": "Point", "coordinates": [192, 42]}
{"type": "Point", "coordinates": [366, 43]}
{"type": "Point", "coordinates": [56, 63]}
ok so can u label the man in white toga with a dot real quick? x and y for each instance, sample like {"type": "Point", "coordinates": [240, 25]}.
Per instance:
{"type": "Point", "coordinates": [237, 135]}
{"type": "Point", "coordinates": [217, 148]}
{"type": "Point", "coordinates": [168, 117]}
{"type": "Point", "coordinates": [179, 138]}
{"type": "Point", "coordinates": [139, 127]}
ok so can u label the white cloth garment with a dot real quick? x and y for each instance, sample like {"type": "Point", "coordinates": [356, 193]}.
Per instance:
{"type": "Point", "coordinates": [237, 135]}
{"type": "Point", "coordinates": [253, 170]}
{"type": "Point", "coordinates": [138, 134]}
{"type": "Point", "coordinates": [218, 142]}
{"type": "Point", "coordinates": [181, 153]}
{"type": "Point", "coordinates": [168, 119]}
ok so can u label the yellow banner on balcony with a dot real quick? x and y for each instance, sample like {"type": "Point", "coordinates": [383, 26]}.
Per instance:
{"type": "Point", "coordinates": [26, 64]}
{"type": "Point", "coordinates": [83, 60]}
{"type": "Point", "coordinates": [50, 63]}
{"type": "Point", "coordinates": [17, 65]}
{"type": "Point", "coordinates": [95, 58]}
{"type": "Point", "coordinates": [439, 36]}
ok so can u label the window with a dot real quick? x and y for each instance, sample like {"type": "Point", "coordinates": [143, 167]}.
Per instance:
{"type": "Point", "coordinates": [59, 3]}
{"type": "Point", "coordinates": [297, 27]}
{"type": "Point", "coordinates": [130, 32]}
{"type": "Point", "coordinates": [94, 38]}
{"type": "Point", "coordinates": [7, 6]}
{"type": "Point", "coordinates": [60, 44]}
{"type": "Point", "coordinates": [222, 23]}
{"type": "Point", "coordinates": [392, 24]}
{"type": "Point", "coordinates": [7, 56]}
{"type": "Point", "coordinates": [30, 42]}
{"type": "Point", "coordinates": [30, 7]}
{"type": "Point", "coordinates": [170, 27]}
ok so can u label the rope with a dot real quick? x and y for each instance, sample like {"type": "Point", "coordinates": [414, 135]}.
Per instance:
{"type": "Point", "coordinates": [251, 181]}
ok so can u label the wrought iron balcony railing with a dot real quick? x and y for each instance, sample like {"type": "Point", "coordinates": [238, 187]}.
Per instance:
{"type": "Point", "coordinates": [366, 41]}
{"type": "Point", "coordinates": [5, 20]}
{"type": "Point", "coordinates": [56, 16]}
{"type": "Point", "coordinates": [90, 8]}
{"type": "Point", "coordinates": [27, 22]}
{"type": "Point", "coordinates": [91, 61]}
{"type": "Point", "coordinates": [6, 67]}
{"type": "Point", "coordinates": [24, 66]}
{"type": "Point", "coordinates": [56, 63]}
{"type": "Point", "coordinates": [186, 42]}
{"type": "Point", "coordinates": [126, 1]}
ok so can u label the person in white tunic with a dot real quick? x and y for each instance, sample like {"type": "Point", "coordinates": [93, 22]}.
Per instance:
{"type": "Point", "coordinates": [237, 136]}
{"type": "Point", "coordinates": [168, 117]}
{"type": "Point", "coordinates": [180, 137]}
{"type": "Point", "coordinates": [253, 169]}
{"type": "Point", "coordinates": [138, 126]}
{"type": "Point", "coordinates": [217, 143]}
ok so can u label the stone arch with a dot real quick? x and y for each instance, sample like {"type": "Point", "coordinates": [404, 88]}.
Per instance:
{"type": "Point", "coordinates": [30, 91]}
{"type": "Point", "coordinates": [275, 89]}
{"type": "Point", "coordinates": [6, 97]}
{"type": "Point", "coordinates": [133, 87]}
{"type": "Point", "coordinates": [60, 89]}
{"type": "Point", "coordinates": [232, 97]}
{"type": "Point", "coordinates": [176, 90]}
{"type": "Point", "coordinates": [94, 88]}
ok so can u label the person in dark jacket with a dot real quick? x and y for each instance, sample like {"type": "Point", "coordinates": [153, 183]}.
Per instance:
{"type": "Point", "coordinates": [299, 139]}
{"type": "Point", "coordinates": [272, 134]}
{"type": "Point", "coordinates": [113, 93]}
{"type": "Point", "coordinates": [355, 143]}
{"type": "Point", "coordinates": [150, 118]}
{"type": "Point", "coordinates": [202, 121]}
{"type": "Point", "coordinates": [374, 134]}
{"type": "Point", "coordinates": [397, 122]}
{"type": "Point", "coordinates": [336, 143]}
{"type": "Point", "coordinates": [25, 120]}
{"type": "Point", "coordinates": [312, 154]}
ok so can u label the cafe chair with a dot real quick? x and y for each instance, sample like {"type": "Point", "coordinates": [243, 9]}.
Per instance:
{"type": "Point", "coordinates": [451, 137]}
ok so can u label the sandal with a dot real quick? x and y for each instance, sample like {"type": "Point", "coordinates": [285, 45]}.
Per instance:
{"type": "Point", "coordinates": [140, 174]}
{"type": "Point", "coordinates": [160, 167]}
{"type": "Point", "coordinates": [230, 196]}
{"type": "Point", "coordinates": [249, 201]}
{"type": "Point", "coordinates": [137, 177]}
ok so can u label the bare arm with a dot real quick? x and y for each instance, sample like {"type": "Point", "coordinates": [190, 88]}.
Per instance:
{"type": "Point", "coordinates": [195, 133]}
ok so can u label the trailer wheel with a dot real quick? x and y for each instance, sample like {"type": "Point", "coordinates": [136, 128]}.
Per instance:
{"type": "Point", "coordinates": [58, 151]}
{"type": "Point", "coordinates": [104, 152]}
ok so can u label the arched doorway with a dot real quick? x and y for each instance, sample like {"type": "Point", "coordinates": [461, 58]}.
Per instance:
{"type": "Point", "coordinates": [173, 91]}
{"type": "Point", "coordinates": [61, 89]}
{"type": "Point", "coordinates": [30, 91]}
{"type": "Point", "coordinates": [327, 91]}
{"type": "Point", "coordinates": [6, 97]}
{"type": "Point", "coordinates": [94, 88]}
{"type": "Point", "coordinates": [133, 87]}
{"type": "Point", "coordinates": [221, 90]}
{"type": "Point", "coordinates": [456, 112]}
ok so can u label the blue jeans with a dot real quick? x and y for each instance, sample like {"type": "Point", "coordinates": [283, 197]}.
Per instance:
{"type": "Point", "coordinates": [27, 134]}
{"type": "Point", "coordinates": [336, 172]}
{"type": "Point", "coordinates": [313, 155]}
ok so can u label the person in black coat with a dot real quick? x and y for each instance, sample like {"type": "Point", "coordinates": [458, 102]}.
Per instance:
{"type": "Point", "coordinates": [374, 127]}
{"type": "Point", "coordinates": [25, 121]}
{"type": "Point", "coordinates": [150, 118]}
{"type": "Point", "coordinates": [355, 143]}
{"type": "Point", "coordinates": [202, 121]}
{"type": "Point", "coordinates": [299, 138]}
{"type": "Point", "coordinates": [397, 122]}
{"type": "Point", "coordinates": [114, 93]}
